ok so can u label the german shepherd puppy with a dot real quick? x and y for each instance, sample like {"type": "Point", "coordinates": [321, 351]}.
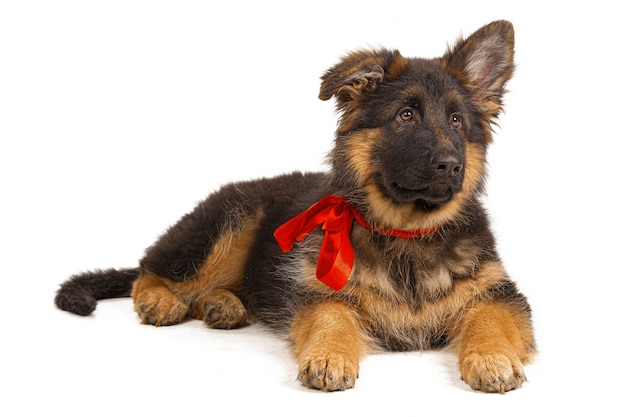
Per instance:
{"type": "Point", "coordinates": [390, 249]}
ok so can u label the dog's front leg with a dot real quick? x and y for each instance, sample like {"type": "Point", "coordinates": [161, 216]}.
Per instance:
{"type": "Point", "coordinates": [327, 344]}
{"type": "Point", "coordinates": [496, 341]}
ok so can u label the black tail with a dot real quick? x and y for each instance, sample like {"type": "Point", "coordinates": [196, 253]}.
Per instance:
{"type": "Point", "coordinates": [79, 294]}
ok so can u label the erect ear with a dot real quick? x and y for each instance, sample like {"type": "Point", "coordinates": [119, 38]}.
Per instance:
{"type": "Point", "coordinates": [359, 73]}
{"type": "Point", "coordinates": [484, 63]}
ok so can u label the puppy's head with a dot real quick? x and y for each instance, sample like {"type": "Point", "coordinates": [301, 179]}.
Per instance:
{"type": "Point", "coordinates": [412, 136]}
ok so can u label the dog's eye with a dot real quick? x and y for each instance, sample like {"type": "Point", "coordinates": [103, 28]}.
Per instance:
{"type": "Point", "coordinates": [456, 120]}
{"type": "Point", "coordinates": [406, 115]}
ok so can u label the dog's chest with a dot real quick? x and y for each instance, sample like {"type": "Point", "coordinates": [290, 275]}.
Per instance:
{"type": "Point", "coordinates": [406, 293]}
{"type": "Point", "coordinates": [415, 270]}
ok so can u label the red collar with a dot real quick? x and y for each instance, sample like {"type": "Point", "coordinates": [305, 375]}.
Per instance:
{"type": "Point", "coordinates": [336, 216]}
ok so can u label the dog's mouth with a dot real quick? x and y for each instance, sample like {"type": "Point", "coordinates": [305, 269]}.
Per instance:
{"type": "Point", "coordinates": [428, 198]}
{"type": "Point", "coordinates": [425, 194]}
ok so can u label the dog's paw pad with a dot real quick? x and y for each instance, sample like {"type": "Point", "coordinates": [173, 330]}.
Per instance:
{"type": "Point", "coordinates": [225, 316]}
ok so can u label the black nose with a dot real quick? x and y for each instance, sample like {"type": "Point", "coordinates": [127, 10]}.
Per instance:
{"type": "Point", "coordinates": [447, 165]}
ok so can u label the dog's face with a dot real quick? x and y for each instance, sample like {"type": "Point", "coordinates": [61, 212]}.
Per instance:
{"type": "Point", "coordinates": [413, 133]}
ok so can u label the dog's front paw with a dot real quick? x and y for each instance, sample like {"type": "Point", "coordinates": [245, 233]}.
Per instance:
{"type": "Point", "coordinates": [493, 372]}
{"type": "Point", "coordinates": [329, 372]}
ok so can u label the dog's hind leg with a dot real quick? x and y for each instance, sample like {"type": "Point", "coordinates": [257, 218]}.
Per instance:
{"type": "Point", "coordinates": [210, 294]}
{"type": "Point", "coordinates": [157, 303]}
{"type": "Point", "coordinates": [199, 265]}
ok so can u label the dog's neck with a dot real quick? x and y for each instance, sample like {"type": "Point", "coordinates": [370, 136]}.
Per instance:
{"type": "Point", "coordinates": [336, 216]}
{"type": "Point", "coordinates": [390, 231]}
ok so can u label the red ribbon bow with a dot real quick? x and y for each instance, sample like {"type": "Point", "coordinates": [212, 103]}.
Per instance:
{"type": "Point", "coordinates": [336, 216]}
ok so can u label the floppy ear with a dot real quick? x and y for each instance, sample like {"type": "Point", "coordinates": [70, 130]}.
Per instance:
{"type": "Point", "coordinates": [359, 74]}
{"type": "Point", "coordinates": [484, 63]}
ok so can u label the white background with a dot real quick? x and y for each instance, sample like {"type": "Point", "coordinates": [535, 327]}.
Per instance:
{"type": "Point", "coordinates": [116, 117]}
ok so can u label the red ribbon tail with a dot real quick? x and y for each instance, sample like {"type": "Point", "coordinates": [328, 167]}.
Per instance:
{"type": "Point", "coordinates": [336, 258]}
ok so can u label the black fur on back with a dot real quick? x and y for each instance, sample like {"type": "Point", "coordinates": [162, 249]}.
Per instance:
{"type": "Point", "coordinates": [180, 251]}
